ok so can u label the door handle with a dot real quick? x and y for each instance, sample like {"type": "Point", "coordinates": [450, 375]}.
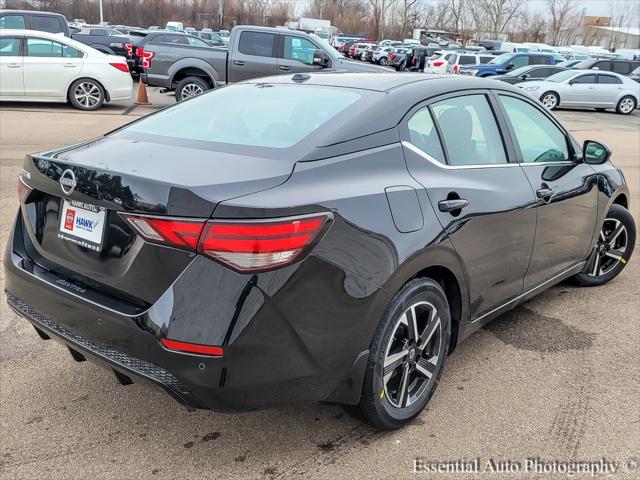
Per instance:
{"type": "Point", "coordinates": [545, 193]}
{"type": "Point", "coordinates": [13, 65]}
{"type": "Point", "coordinates": [70, 65]}
{"type": "Point", "coordinates": [239, 63]}
{"type": "Point", "coordinates": [284, 67]}
{"type": "Point", "coordinates": [452, 205]}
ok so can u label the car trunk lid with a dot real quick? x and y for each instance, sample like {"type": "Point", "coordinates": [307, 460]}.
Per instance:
{"type": "Point", "coordinates": [77, 189]}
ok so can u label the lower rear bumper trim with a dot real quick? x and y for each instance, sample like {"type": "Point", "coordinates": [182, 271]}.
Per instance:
{"type": "Point", "coordinates": [114, 358]}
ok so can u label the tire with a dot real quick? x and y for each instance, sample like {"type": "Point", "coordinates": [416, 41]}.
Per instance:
{"type": "Point", "coordinates": [626, 105]}
{"type": "Point", "coordinates": [190, 87]}
{"type": "Point", "coordinates": [550, 100]}
{"type": "Point", "coordinates": [383, 61]}
{"type": "Point", "coordinates": [86, 94]}
{"type": "Point", "coordinates": [413, 368]}
{"type": "Point", "coordinates": [611, 254]}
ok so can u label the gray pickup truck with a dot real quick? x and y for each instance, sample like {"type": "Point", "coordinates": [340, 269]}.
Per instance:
{"type": "Point", "coordinates": [179, 63]}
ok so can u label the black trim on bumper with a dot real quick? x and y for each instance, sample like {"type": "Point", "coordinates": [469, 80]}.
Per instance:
{"type": "Point", "coordinates": [118, 361]}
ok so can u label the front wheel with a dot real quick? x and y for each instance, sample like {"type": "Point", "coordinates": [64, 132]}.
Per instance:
{"type": "Point", "coordinates": [613, 249]}
{"type": "Point", "coordinates": [626, 105]}
{"type": "Point", "coordinates": [550, 100]}
{"type": "Point", "coordinates": [190, 87]}
{"type": "Point", "coordinates": [406, 356]}
{"type": "Point", "coordinates": [86, 94]}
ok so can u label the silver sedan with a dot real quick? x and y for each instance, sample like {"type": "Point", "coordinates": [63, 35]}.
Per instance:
{"type": "Point", "coordinates": [587, 89]}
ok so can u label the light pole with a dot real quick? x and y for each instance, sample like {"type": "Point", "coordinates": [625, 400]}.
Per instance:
{"type": "Point", "coordinates": [101, 17]}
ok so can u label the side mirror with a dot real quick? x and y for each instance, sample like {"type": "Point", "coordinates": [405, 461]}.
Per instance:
{"type": "Point", "coordinates": [510, 66]}
{"type": "Point", "coordinates": [320, 58]}
{"type": "Point", "coordinates": [595, 153]}
{"type": "Point", "coordinates": [525, 76]}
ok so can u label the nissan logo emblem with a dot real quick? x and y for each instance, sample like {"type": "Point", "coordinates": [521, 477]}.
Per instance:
{"type": "Point", "coordinates": [68, 182]}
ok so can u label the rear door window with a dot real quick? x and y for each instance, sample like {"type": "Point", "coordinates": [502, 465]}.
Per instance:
{"type": "Point", "coordinates": [622, 67]}
{"type": "Point", "coordinates": [609, 79]}
{"type": "Point", "coordinates": [423, 134]}
{"type": "Point", "coordinates": [603, 65]}
{"type": "Point", "coordinates": [486, 59]}
{"type": "Point", "coordinates": [40, 47]}
{"type": "Point", "coordinates": [12, 21]}
{"type": "Point", "coordinates": [258, 44]}
{"type": "Point", "coordinates": [46, 24]}
{"type": "Point", "coordinates": [467, 60]}
{"type": "Point", "coordinates": [470, 131]}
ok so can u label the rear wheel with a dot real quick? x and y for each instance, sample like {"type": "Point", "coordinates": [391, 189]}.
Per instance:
{"type": "Point", "coordinates": [383, 61]}
{"type": "Point", "coordinates": [626, 105]}
{"type": "Point", "coordinates": [406, 356]}
{"type": "Point", "coordinates": [613, 249]}
{"type": "Point", "coordinates": [550, 100]}
{"type": "Point", "coordinates": [190, 87]}
{"type": "Point", "coordinates": [86, 94]}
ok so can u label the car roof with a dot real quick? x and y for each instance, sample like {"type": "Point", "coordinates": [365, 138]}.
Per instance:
{"type": "Point", "coordinates": [394, 94]}
{"type": "Point", "coordinates": [4, 11]}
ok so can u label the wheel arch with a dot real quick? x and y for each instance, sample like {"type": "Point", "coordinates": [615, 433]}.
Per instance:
{"type": "Point", "coordinates": [441, 264]}
{"type": "Point", "coordinates": [621, 200]}
{"type": "Point", "coordinates": [193, 67]}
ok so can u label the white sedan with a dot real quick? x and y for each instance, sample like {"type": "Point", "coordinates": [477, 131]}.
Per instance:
{"type": "Point", "coordinates": [46, 67]}
{"type": "Point", "coordinates": [587, 89]}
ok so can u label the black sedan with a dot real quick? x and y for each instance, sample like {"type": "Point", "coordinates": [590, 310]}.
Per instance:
{"type": "Point", "coordinates": [528, 73]}
{"type": "Point", "coordinates": [310, 237]}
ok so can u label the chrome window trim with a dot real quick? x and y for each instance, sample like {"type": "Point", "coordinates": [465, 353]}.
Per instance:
{"type": "Point", "coordinates": [428, 157]}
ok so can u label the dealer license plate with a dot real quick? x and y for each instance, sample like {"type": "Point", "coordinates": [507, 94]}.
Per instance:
{"type": "Point", "coordinates": [83, 224]}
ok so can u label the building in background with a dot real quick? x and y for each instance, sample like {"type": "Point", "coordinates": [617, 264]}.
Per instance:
{"type": "Point", "coordinates": [597, 31]}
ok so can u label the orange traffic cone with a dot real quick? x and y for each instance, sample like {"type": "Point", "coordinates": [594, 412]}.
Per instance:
{"type": "Point", "coordinates": [143, 99]}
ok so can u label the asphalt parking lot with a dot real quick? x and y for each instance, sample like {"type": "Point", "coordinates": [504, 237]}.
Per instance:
{"type": "Point", "coordinates": [557, 378]}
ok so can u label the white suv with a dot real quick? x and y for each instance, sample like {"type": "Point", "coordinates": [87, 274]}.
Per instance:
{"type": "Point", "coordinates": [381, 55]}
{"type": "Point", "coordinates": [449, 62]}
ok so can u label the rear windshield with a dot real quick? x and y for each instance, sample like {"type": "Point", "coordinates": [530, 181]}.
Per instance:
{"type": "Point", "coordinates": [258, 115]}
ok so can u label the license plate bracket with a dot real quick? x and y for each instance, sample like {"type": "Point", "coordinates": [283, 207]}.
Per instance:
{"type": "Point", "coordinates": [82, 223]}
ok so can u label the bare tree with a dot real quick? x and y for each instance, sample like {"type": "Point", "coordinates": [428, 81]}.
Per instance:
{"type": "Point", "coordinates": [563, 16]}
{"type": "Point", "coordinates": [379, 10]}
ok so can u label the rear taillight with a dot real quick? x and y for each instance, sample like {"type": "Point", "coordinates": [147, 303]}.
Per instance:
{"type": "Point", "coordinates": [23, 190]}
{"type": "Point", "coordinates": [455, 69]}
{"type": "Point", "coordinates": [196, 348]}
{"type": "Point", "coordinates": [260, 245]}
{"type": "Point", "coordinates": [129, 48]}
{"type": "Point", "coordinates": [392, 56]}
{"type": "Point", "coordinates": [145, 56]}
{"type": "Point", "coordinates": [173, 232]}
{"type": "Point", "coordinates": [244, 246]}
{"type": "Point", "coordinates": [123, 67]}
{"type": "Point", "coordinates": [438, 64]}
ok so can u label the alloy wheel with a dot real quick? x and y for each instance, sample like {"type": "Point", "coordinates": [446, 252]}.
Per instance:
{"type": "Point", "coordinates": [412, 354]}
{"type": "Point", "coordinates": [626, 105]}
{"type": "Point", "coordinates": [550, 101]}
{"type": "Point", "coordinates": [610, 249]}
{"type": "Point", "coordinates": [87, 94]}
{"type": "Point", "coordinates": [191, 90]}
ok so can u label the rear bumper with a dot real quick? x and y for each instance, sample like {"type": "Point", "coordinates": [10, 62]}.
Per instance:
{"type": "Point", "coordinates": [123, 365]}
{"type": "Point", "coordinates": [292, 335]}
